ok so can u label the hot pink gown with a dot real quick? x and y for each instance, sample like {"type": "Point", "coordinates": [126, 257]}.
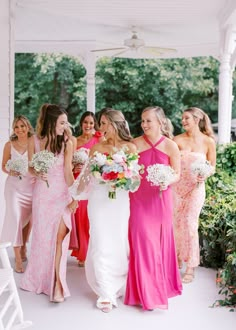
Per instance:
{"type": "Point", "coordinates": [81, 221]}
{"type": "Point", "coordinates": [18, 197]}
{"type": "Point", "coordinates": [189, 198]}
{"type": "Point", "coordinates": [49, 208]}
{"type": "Point", "coordinates": [153, 274]}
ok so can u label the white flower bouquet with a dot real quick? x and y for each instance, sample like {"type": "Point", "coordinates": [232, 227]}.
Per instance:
{"type": "Point", "coordinates": [17, 165]}
{"type": "Point", "coordinates": [202, 168]}
{"type": "Point", "coordinates": [160, 174]}
{"type": "Point", "coordinates": [42, 161]}
{"type": "Point", "coordinates": [80, 156]}
{"type": "Point", "coordinates": [119, 171]}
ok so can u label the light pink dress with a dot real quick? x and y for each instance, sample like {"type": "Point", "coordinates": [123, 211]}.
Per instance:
{"type": "Point", "coordinates": [189, 198]}
{"type": "Point", "coordinates": [18, 197]}
{"type": "Point", "coordinates": [153, 274]}
{"type": "Point", "coordinates": [49, 208]}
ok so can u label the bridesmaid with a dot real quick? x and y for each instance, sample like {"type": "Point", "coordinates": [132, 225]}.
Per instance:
{"type": "Point", "coordinates": [153, 274]}
{"type": "Point", "coordinates": [197, 143]}
{"type": "Point", "coordinates": [18, 193]}
{"type": "Point", "coordinates": [52, 208]}
{"type": "Point", "coordinates": [89, 137]}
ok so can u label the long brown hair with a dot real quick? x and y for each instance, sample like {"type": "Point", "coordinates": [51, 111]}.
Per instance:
{"type": "Point", "coordinates": [204, 121]}
{"type": "Point", "coordinates": [46, 127]}
{"type": "Point", "coordinates": [13, 136]}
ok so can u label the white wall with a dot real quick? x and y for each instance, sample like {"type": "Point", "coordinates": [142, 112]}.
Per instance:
{"type": "Point", "coordinates": [6, 88]}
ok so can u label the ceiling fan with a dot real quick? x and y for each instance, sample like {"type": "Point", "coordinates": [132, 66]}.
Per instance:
{"type": "Point", "coordinates": [136, 44]}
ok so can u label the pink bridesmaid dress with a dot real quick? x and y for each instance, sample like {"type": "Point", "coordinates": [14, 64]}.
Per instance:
{"type": "Point", "coordinates": [153, 274]}
{"type": "Point", "coordinates": [80, 227]}
{"type": "Point", "coordinates": [189, 198]}
{"type": "Point", "coordinates": [18, 197]}
{"type": "Point", "coordinates": [49, 208]}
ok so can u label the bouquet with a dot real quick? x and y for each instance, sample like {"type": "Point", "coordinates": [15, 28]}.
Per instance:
{"type": "Point", "coordinates": [201, 168]}
{"type": "Point", "coordinates": [18, 165]}
{"type": "Point", "coordinates": [42, 161]}
{"type": "Point", "coordinates": [80, 156]}
{"type": "Point", "coordinates": [159, 174]}
{"type": "Point", "coordinates": [119, 170]}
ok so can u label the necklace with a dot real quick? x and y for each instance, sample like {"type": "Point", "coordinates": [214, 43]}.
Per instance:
{"type": "Point", "coordinates": [22, 144]}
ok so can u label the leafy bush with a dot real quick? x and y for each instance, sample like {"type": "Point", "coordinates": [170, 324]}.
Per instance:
{"type": "Point", "coordinates": [217, 227]}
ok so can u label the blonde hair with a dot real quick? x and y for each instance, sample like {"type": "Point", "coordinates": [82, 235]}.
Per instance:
{"type": "Point", "coordinates": [204, 121]}
{"type": "Point", "coordinates": [165, 123]}
{"type": "Point", "coordinates": [117, 120]}
{"type": "Point", "coordinates": [13, 136]}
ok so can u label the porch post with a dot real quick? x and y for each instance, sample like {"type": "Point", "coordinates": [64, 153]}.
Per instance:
{"type": "Point", "coordinates": [225, 86]}
{"type": "Point", "coordinates": [90, 65]}
{"type": "Point", "coordinates": [6, 84]}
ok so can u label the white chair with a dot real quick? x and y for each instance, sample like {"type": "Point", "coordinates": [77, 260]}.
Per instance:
{"type": "Point", "coordinates": [11, 314]}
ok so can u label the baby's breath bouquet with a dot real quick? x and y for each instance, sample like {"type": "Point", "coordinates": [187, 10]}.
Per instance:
{"type": "Point", "coordinates": [42, 161]}
{"type": "Point", "coordinates": [160, 174]}
{"type": "Point", "coordinates": [119, 170]}
{"type": "Point", "coordinates": [80, 156]}
{"type": "Point", "coordinates": [202, 168]}
{"type": "Point", "coordinates": [18, 165]}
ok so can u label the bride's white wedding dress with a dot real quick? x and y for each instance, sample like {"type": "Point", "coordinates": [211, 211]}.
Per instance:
{"type": "Point", "coordinates": [106, 264]}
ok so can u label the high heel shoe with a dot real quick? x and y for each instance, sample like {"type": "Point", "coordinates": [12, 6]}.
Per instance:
{"type": "Point", "coordinates": [23, 251]}
{"type": "Point", "coordinates": [105, 306]}
{"type": "Point", "coordinates": [19, 267]}
{"type": "Point", "coordinates": [58, 296]}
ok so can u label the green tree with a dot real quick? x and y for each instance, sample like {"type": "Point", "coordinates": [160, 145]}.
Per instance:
{"type": "Point", "coordinates": [125, 84]}
{"type": "Point", "coordinates": [52, 78]}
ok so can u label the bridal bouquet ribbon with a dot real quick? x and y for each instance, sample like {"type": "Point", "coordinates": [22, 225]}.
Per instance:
{"type": "Point", "coordinates": [80, 156]}
{"type": "Point", "coordinates": [160, 174]}
{"type": "Point", "coordinates": [201, 168]}
{"type": "Point", "coordinates": [19, 165]}
{"type": "Point", "coordinates": [119, 170]}
{"type": "Point", "coordinates": [42, 161]}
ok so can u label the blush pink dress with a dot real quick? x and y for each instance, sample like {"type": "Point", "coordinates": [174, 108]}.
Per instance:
{"type": "Point", "coordinates": [18, 198]}
{"type": "Point", "coordinates": [80, 223]}
{"type": "Point", "coordinates": [49, 208]}
{"type": "Point", "coordinates": [153, 274]}
{"type": "Point", "coordinates": [189, 198]}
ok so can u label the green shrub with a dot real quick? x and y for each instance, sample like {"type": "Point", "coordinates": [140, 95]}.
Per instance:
{"type": "Point", "coordinates": [217, 224]}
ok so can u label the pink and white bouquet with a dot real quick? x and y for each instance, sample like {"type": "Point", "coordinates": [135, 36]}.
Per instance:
{"type": "Point", "coordinates": [119, 170]}
{"type": "Point", "coordinates": [202, 168]}
{"type": "Point", "coordinates": [80, 156]}
{"type": "Point", "coordinates": [17, 165]}
{"type": "Point", "coordinates": [42, 161]}
{"type": "Point", "coordinates": [160, 174]}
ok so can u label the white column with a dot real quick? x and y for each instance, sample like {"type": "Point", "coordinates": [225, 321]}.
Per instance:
{"type": "Point", "coordinates": [225, 100]}
{"type": "Point", "coordinates": [90, 65]}
{"type": "Point", "coordinates": [227, 48]}
{"type": "Point", "coordinates": [6, 85]}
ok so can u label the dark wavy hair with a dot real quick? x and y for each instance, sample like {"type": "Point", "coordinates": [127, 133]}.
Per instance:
{"type": "Point", "coordinates": [46, 127]}
{"type": "Point", "coordinates": [88, 114]}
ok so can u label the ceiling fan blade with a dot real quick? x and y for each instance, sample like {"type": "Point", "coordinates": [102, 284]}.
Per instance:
{"type": "Point", "coordinates": [122, 52]}
{"type": "Point", "coordinates": [106, 49]}
{"type": "Point", "coordinates": [159, 50]}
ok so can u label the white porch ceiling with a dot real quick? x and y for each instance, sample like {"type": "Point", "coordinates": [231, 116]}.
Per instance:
{"type": "Point", "coordinates": [192, 27]}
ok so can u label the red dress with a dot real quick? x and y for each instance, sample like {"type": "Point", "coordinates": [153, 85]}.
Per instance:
{"type": "Point", "coordinates": [80, 223]}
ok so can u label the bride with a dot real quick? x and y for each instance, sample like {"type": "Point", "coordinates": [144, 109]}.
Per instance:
{"type": "Point", "coordinates": [106, 264]}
